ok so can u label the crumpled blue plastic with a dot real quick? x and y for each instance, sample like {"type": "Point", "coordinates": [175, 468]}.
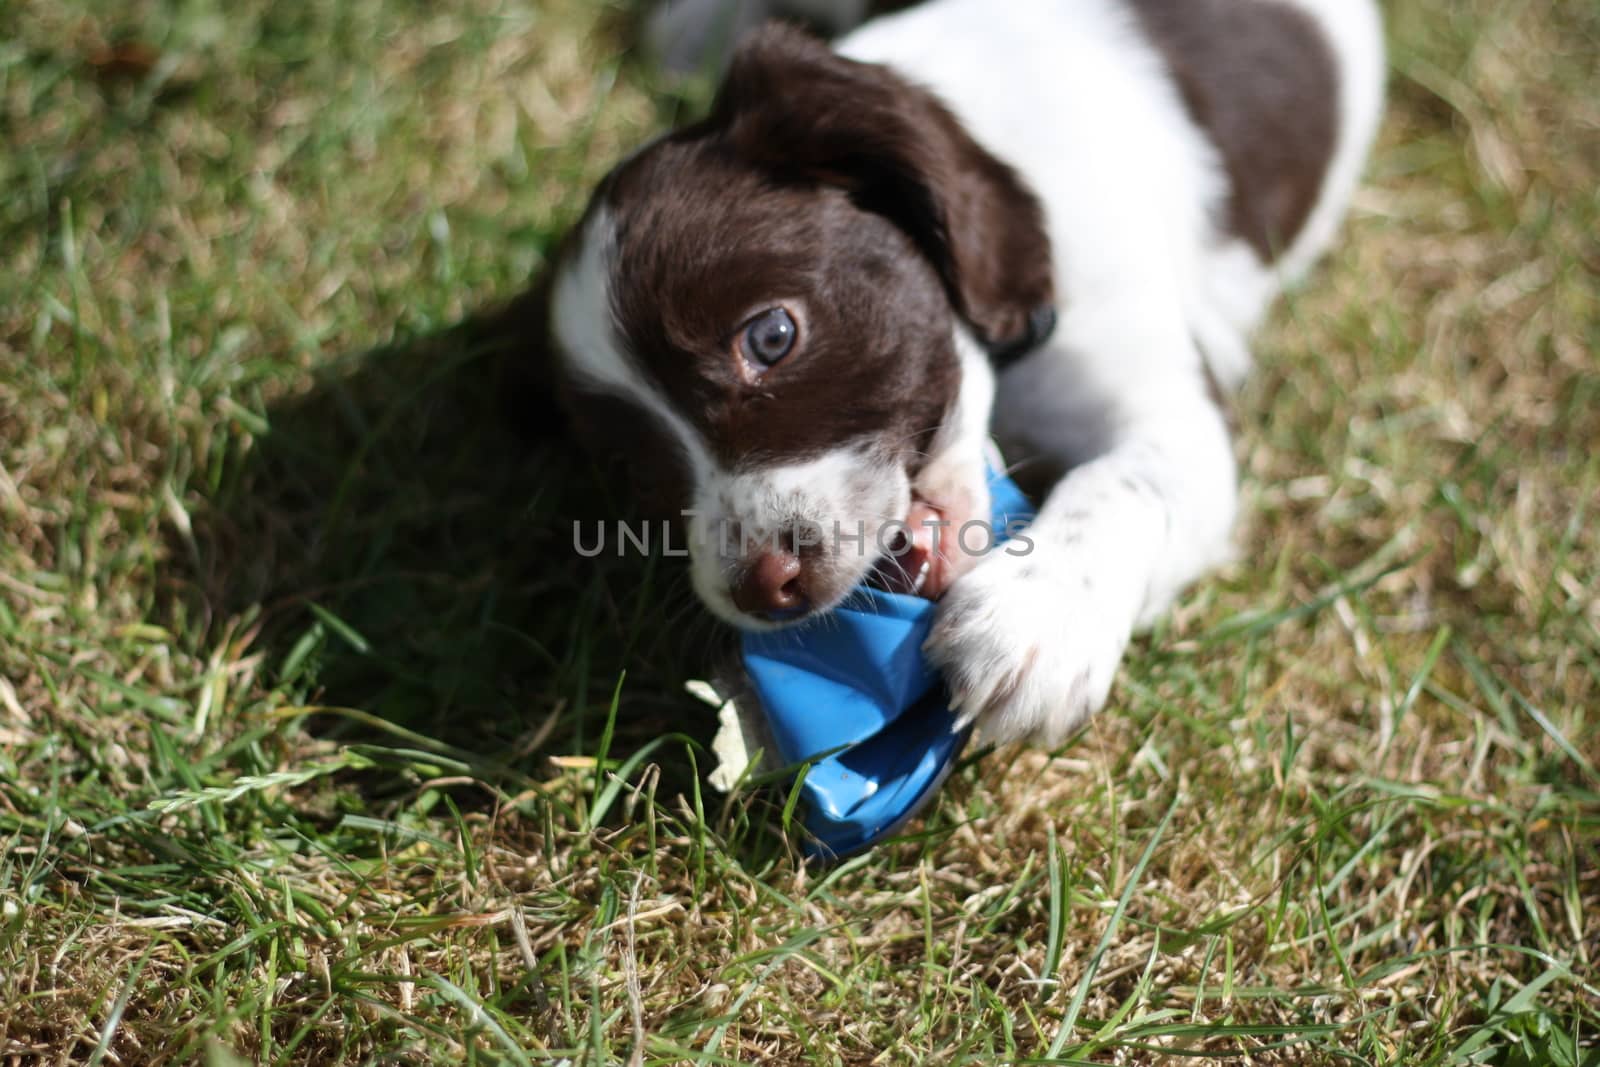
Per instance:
{"type": "Point", "coordinates": [851, 694]}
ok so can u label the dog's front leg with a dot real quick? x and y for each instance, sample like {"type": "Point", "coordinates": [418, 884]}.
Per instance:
{"type": "Point", "coordinates": [1030, 639]}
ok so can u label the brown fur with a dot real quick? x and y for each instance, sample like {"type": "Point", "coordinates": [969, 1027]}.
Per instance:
{"type": "Point", "coordinates": [704, 243]}
{"type": "Point", "coordinates": [796, 110]}
{"type": "Point", "coordinates": [1259, 78]}
{"type": "Point", "coordinates": [855, 201]}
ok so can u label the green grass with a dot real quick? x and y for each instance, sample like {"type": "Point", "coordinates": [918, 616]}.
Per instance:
{"type": "Point", "coordinates": [316, 745]}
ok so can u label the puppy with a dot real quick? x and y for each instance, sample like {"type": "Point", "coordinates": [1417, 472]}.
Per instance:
{"type": "Point", "coordinates": [1052, 222]}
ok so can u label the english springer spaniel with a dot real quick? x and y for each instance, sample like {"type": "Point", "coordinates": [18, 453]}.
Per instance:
{"type": "Point", "coordinates": [1050, 222]}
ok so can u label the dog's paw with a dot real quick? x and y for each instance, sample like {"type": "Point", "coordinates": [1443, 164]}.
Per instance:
{"type": "Point", "coordinates": [1029, 645]}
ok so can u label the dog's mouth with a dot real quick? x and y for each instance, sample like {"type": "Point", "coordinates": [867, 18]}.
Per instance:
{"type": "Point", "coordinates": [921, 557]}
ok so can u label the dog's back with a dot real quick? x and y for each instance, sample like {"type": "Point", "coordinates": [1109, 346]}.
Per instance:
{"type": "Point", "coordinates": [1218, 140]}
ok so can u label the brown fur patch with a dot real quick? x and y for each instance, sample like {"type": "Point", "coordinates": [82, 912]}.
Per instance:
{"type": "Point", "coordinates": [1258, 76]}
{"type": "Point", "coordinates": [856, 202]}
{"type": "Point", "coordinates": [704, 243]}
{"type": "Point", "coordinates": [797, 111]}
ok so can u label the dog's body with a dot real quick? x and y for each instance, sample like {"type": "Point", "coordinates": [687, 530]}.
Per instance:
{"type": "Point", "coordinates": [811, 310]}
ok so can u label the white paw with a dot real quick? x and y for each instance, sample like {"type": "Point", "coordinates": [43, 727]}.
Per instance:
{"type": "Point", "coordinates": [1029, 644]}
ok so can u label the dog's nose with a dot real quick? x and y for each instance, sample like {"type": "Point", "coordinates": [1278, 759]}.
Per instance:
{"type": "Point", "coordinates": [771, 583]}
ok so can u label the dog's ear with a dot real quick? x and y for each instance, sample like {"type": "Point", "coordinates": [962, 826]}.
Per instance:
{"type": "Point", "coordinates": [796, 109]}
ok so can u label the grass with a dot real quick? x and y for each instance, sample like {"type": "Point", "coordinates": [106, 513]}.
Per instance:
{"type": "Point", "coordinates": [316, 747]}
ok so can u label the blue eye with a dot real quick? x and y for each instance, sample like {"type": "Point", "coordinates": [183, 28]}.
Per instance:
{"type": "Point", "coordinates": [769, 337]}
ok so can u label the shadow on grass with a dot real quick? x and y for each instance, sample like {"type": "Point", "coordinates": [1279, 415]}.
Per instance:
{"type": "Point", "coordinates": [402, 537]}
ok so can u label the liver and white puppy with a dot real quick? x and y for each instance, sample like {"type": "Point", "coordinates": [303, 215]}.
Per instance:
{"type": "Point", "coordinates": [1056, 221]}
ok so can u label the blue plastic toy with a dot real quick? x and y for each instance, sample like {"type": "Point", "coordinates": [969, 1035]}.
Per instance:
{"type": "Point", "coordinates": [851, 694]}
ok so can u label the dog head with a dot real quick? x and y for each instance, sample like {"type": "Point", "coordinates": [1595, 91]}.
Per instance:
{"type": "Point", "coordinates": [784, 317]}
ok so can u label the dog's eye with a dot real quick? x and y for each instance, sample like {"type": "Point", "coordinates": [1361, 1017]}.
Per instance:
{"type": "Point", "coordinates": [769, 337]}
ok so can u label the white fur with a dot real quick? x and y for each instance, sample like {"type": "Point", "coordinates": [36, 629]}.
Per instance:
{"type": "Point", "coordinates": [955, 474]}
{"type": "Point", "coordinates": [848, 493]}
{"type": "Point", "coordinates": [588, 340]}
{"type": "Point", "coordinates": [841, 495]}
{"type": "Point", "coordinates": [1153, 296]}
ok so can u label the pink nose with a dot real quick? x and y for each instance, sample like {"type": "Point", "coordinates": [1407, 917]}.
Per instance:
{"type": "Point", "coordinates": [771, 583]}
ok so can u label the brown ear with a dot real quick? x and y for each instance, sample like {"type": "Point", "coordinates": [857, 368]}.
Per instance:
{"type": "Point", "coordinates": [801, 112]}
